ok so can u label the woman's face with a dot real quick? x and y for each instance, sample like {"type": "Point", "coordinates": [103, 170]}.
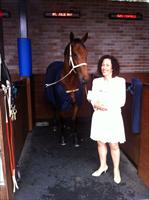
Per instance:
{"type": "Point", "coordinates": [106, 68]}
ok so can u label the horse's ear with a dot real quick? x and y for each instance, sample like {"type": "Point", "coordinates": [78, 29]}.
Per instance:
{"type": "Point", "coordinates": [71, 36]}
{"type": "Point", "coordinates": [84, 38]}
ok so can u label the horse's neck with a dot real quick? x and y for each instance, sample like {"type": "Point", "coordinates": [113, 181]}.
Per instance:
{"type": "Point", "coordinates": [66, 69]}
{"type": "Point", "coordinates": [71, 82]}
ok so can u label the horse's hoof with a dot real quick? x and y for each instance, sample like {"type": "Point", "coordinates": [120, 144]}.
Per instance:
{"type": "Point", "coordinates": [62, 141]}
{"type": "Point", "coordinates": [76, 142]}
{"type": "Point", "coordinates": [54, 129]}
{"type": "Point", "coordinates": [76, 145]}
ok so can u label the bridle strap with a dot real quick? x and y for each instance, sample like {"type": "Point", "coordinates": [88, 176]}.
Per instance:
{"type": "Point", "coordinates": [71, 59]}
{"type": "Point", "coordinates": [72, 69]}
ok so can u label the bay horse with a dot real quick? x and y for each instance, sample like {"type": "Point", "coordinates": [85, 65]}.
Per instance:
{"type": "Point", "coordinates": [64, 84]}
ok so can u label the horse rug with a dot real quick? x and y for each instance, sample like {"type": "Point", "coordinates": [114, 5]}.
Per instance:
{"type": "Point", "coordinates": [56, 94]}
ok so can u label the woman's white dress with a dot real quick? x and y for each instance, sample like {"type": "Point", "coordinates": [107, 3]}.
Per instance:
{"type": "Point", "coordinates": [107, 126]}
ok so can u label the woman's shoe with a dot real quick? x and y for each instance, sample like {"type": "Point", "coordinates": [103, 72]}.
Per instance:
{"type": "Point", "coordinates": [100, 171]}
{"type": "Point", "coordinates": [117, 177]}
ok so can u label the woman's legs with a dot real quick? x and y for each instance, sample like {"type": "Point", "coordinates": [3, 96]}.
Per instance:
{"type": "Point", "coordinates": [102, 153]}
{"type": "Point", "coordinates": [115, 154]}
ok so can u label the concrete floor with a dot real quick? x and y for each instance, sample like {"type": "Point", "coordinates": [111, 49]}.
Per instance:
{"type": "Point", "coordinates": [53, 172]}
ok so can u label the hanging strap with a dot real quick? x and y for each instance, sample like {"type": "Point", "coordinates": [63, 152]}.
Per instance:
{"type": "Point", "coordinates": [9, 133]}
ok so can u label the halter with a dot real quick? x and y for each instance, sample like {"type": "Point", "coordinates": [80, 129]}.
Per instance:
{"type": "Point", "coordinates": [72, 69]}
{"type": "Point", "coordinates": [71, 60]}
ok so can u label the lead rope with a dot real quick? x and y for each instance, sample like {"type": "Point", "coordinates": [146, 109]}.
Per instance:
{"type": "Point", "coordinates": [9, 131]}
{"type": "Point", "coordinates": [72, 69]}
{"type": "Point", "coordinates": [49, 84]}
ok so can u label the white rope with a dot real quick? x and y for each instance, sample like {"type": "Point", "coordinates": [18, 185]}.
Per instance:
{"type": "Point", "coordinates": [49, 84]}
{"type": "Point", "coordinates": [15, 184]}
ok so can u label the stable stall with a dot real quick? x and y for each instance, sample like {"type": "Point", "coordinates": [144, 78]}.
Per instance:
{"type": "Point", "coordinates": [12, 138]}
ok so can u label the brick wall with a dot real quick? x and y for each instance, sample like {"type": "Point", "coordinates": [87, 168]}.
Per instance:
{"type": "Point", "coordinates": [127, 40]}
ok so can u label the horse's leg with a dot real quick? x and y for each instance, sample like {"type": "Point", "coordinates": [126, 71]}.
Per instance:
{"type": "Point", "coordinates": [54, 122]}
{"type": "Point", "coordinates": [74, 126]}
{"type": "Point", "coordinates": [62, 134]}
{"type": "Point", "coordinates": [58, 127]}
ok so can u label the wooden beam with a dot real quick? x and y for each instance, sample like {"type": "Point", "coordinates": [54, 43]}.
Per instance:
{"type": "Point", "coordinates": [143, 168]}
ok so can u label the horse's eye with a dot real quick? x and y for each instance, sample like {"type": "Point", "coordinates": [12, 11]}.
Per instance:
{"type": "Point", "coordinates": [75, 56]}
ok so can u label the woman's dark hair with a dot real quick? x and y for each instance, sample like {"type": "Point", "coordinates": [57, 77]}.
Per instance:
{"type": "Point", "coordinates": [114, 62]}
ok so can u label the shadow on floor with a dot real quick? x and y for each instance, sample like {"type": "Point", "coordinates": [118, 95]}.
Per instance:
{"type": "Point", "coordinates": [53, 172]}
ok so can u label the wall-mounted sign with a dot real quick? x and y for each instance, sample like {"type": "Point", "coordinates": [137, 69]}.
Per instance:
{"type": "Point", "coordinates": [62, 14]}
{"type": "Point", "coordinates": [128, 16]}
{"type": "Point", "coordinates": [4, 13]}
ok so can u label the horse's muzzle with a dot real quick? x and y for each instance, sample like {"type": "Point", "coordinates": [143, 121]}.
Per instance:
{"type": "Point", "coordinates": [85, 79]}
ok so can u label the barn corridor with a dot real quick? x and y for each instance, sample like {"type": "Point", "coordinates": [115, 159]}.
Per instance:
{"type": "Point", "coordinates": [53, 172]}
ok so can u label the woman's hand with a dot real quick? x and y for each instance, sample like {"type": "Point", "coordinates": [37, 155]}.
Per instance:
{"type": "Point", "coordinates": [99, 106]}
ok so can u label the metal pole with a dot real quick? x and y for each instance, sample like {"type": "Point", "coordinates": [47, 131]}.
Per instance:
{"type": "Point", "coordinates": [23, 18]}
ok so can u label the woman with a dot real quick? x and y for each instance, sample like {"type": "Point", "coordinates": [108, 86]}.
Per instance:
{"type": "Point", "coordinates": [107, 97]}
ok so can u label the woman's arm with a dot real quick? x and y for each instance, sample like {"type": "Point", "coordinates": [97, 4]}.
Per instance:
{"type": "Point", "coordinates": [94, 98]}
{"type": "Point", "coordinates": [117, 96]}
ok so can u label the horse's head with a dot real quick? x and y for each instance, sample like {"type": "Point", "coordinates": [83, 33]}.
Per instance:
{"type": "Point", "coordinates": [76, 56]}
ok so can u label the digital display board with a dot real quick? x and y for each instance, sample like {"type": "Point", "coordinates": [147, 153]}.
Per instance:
{"type": "Point", "coordinates": [127, 16]}
{"type": "Point", "coordinates": [4, 13]}
{"type": "Point", "coordinates": [62, 14]}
